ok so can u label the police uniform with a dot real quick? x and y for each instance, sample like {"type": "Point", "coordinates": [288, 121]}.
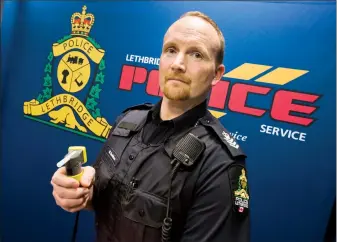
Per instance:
{"type": "Point", "coordinates": [209, 200]}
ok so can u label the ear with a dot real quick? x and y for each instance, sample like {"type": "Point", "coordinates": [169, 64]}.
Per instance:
{"type": "Point", "coordinates": [220, 70]}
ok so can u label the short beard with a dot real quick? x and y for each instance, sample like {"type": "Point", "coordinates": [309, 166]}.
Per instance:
{"type": "Point", "coordinates": [177, 94]}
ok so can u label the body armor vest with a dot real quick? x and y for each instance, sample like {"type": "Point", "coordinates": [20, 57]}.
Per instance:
{"type": "Point", "coordinates": [133, 180]}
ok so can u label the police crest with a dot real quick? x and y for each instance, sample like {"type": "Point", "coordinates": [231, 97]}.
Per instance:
{"type": "Point", "coordinates": [73, 77]}
{"type": "Point", "coordinates": [239, 185]}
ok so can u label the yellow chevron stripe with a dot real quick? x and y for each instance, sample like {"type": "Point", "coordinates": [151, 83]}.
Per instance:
{"type": "Point", "coordinates": [217, 114]}
{"type": "Point", "coordinates": [281, 76]}
{"type": "Point", "coordinates": [247, 71]}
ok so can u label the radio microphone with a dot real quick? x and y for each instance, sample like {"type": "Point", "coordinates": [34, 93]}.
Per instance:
{"type": "Point", "coordinates": [186, 152]}
{"type": "Point", "coordinates": [73, 161]}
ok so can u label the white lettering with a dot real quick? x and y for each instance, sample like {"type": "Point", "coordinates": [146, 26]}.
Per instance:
{"type": "Point", "coordinates": [263, 127]}
{"type": "Point", "coordinates": [230, 140]}
{"type": "Point", "coordinates": [275, 130]}
{"type": "Point", "coordinates": [293, 135]}
{"type": "Point", "coordinates": [269, 129]}
{"type": "Point", "coordinates": [112, 155]}
{"type": "Point", "coordinates": [241, 202]}
{"type": "Point", "coordinates": [142, 59]}
{"type": "Point", "coordinates": [302, 136]}
{"type": "Point", "coordinates": [284, 133]}
{"type": "Point", "coordinates": [238, 136]}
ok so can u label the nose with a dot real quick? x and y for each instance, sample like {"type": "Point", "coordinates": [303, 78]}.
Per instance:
{"type": "Point", "coordinates": [178, 63]}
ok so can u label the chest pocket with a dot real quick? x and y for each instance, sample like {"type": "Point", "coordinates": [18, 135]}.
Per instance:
{"type": "Point", "coordinates": [143, 215]}
{"type": "Point", "coordinates": [120, 137]}
{"type": "Point", "coordinates": [109, 161]}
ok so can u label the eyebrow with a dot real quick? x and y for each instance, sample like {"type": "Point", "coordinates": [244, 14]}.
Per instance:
{"type": "Point", "coordinates": [199, 47]}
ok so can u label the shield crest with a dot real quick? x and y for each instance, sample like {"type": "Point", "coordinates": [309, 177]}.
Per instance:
{"type": "Point", "coordinates": [73, 79]}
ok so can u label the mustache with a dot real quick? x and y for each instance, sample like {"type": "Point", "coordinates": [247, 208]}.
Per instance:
{"type": "Point", "coordinates": [178, 77]}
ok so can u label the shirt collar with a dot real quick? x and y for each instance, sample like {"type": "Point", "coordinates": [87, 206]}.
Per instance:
{"type": "Point", "coordinates": [187, 119]}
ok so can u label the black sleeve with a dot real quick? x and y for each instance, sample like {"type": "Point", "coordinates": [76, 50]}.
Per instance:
{"type": "Point", "coordinates": [219, 209]}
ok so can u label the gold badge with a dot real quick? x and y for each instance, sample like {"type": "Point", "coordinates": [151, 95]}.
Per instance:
{"type": "Point", "coordinates": [242, 190]}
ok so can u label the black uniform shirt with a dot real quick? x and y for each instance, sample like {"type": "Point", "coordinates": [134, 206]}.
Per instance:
{"type": "Point", "coordinates": [157, 130]}
{"type": "Point", "coordinates": [209, 200]}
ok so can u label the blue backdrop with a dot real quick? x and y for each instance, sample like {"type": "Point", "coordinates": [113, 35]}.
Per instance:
{"type": "Point", "coordinates": [278, 97]}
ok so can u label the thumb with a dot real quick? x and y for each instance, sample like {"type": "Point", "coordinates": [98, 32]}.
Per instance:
{"type": "Point", "coordinates": [88, 176]}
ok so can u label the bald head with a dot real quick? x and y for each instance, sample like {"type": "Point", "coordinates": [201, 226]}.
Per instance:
{"type": "Point", "coordinates": [191, 59]}
{"type": "Point", "coordinates": [220, 52]}
{"type": "Point", "coordinates": [191, 27]}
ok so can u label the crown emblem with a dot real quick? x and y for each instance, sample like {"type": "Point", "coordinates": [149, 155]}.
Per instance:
{"type": "Point", "coordinates": [81, 24]}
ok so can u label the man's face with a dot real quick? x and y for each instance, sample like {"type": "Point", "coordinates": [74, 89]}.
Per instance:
{"type": "Point", "coordinates": [188, 66]}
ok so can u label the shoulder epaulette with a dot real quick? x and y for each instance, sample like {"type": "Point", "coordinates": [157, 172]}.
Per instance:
{"type": "Point", "coordinates": [143, 106]}
{"type": "Point", "coordinates": [223, 135]}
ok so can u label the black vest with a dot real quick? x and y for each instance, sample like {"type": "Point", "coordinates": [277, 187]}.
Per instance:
{"type": "Point", "coordinates": [132, 180]}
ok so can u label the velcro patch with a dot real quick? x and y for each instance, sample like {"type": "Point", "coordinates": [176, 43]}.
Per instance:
{"type": "Point", "coordinates": [127, 125]}
{"type": "Point", "coordinates": [239, 188]}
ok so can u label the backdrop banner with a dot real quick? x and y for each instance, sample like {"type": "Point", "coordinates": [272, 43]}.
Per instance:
{"type": "Point", "coordinates": [64, 86]}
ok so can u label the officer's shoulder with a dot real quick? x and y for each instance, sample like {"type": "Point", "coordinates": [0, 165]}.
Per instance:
{"type": "Point", "coordinates": [223, 136]}
{"type": "Point", "coordinates": [139, 107]}
{"type": "Point", "coordinates": [131, 120]}
{"type": "Point", "coordinates": [142, 106]}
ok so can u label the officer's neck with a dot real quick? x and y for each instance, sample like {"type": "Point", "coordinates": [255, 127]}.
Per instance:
{"type": "Point", "coordinates": [171, 109]}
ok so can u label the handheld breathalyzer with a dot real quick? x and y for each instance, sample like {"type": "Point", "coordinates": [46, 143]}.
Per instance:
{"type": "Point", "coordinates": [73, 161]}
{"type": "Point", "coordinates": [77, 155]}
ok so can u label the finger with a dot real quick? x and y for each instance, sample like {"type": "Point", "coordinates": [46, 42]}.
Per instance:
{"type": "Point", "coordinates": [88, 176]}
{"type": "Point", "coordinates": [75, 209]}
{"type": "Point", "coordinates": [62, 170]}
{"type": "Point", "coordinates": [69, 204]}
{"type": "Point", "coordinates": [59, 178]}
{"type": "Point", "coordinates": [70, 193]}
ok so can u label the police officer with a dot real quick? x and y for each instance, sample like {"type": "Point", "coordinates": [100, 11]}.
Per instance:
{"type": "Point", "coordinates": [139, 188]}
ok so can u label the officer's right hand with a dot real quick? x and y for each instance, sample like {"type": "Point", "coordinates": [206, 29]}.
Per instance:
{"type": "Point", "coordinates": [70, 194]}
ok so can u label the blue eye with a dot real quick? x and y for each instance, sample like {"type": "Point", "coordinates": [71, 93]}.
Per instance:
{"type": "Point", "coordinates": [197, 55]}
{"type": "Point", "coordinates": [170, 50]}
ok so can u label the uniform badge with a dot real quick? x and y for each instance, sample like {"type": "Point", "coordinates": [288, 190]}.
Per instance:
{"type": "Point", "coordinates": [239, 187]}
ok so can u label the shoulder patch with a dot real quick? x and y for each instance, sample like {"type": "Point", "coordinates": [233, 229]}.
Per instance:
{"type": "Point", "coordinates": [239, 188]}
{"type": "Point", "coordinates": [143, 106]}
{"type": "Point", "coordinates": [231, 144]}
